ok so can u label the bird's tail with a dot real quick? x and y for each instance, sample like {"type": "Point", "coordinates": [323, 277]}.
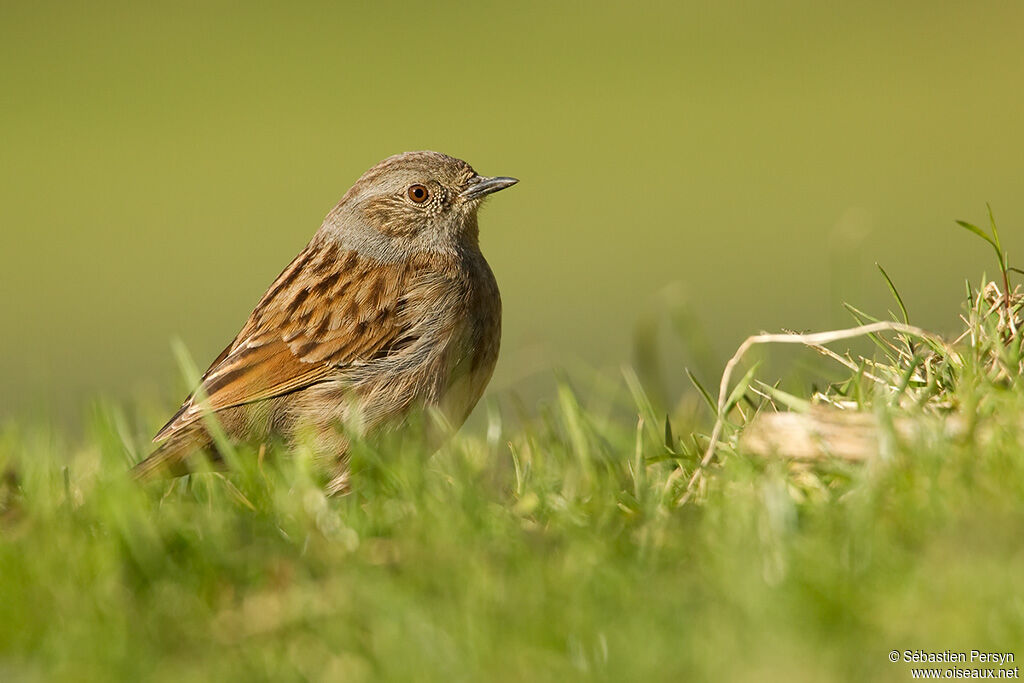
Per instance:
{"type": "Point", "coordinates": [170, 457]}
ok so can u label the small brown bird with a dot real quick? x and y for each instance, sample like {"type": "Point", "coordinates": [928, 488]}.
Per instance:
{"type": "Point", "coordinates": [390, 308]}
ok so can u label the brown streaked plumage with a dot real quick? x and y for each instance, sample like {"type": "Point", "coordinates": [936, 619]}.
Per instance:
{"type": "Point", "coordinates": [390, 307]}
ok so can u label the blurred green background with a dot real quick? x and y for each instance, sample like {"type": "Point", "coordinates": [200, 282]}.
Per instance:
{"type": "Point", "coordinates": [161, 164]}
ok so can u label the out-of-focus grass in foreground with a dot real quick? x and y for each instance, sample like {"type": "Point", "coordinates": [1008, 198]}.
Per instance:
{"type": "Point", "coordinates": [551, 548]}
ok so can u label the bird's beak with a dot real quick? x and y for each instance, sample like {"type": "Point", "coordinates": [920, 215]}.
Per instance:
{"type": "Point", "coordinates": [481, 186]}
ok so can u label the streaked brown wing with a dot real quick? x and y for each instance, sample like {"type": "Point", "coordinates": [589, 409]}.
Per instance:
{"type": "Point", "coordinates": [328, 309]}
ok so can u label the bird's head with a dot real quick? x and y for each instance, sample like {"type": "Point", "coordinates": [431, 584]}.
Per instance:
{"type": "Point", "coordinates": [416, 201]}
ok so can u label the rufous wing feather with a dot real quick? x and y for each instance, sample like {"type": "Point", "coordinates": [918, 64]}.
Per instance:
{"type": "Point", "coordinates": [327, 310]}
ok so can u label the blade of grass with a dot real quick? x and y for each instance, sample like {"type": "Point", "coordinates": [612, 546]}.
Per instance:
{"type": "Point", "coordinates": [189, 369]}
{"type": "Point", "coordinates": [794, 403]}
{"type": "Point", "coordinates": [979, 232]}
{"type": "Point", "coordinates": [895, 293]}
{"type": "Point", "coordinates": [703, 391]}
{"type": "Point", "coordinates": [643, 403]}
{"type": "Point", "coordinates": [739, 390]}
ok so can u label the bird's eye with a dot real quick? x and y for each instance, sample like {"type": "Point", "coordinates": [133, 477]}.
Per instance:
{"type": "Point", "coordinates": [418, 193]}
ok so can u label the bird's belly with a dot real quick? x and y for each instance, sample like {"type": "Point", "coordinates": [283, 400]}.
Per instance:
{"type": "Point", "coordinates": [474, 358]}
{"type": "Point", "coordinates": [466, 385]}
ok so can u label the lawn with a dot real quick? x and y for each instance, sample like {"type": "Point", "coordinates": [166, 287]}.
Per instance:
{"type": "Point", "coordinates": [579, 540]}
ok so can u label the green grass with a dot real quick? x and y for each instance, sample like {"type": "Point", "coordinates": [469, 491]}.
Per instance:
{"type": "Point", "coordinates": [549, 547]}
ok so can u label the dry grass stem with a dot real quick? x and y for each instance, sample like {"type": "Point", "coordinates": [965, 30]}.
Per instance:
{"type": "Point", "coordinates": [812, 340]}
